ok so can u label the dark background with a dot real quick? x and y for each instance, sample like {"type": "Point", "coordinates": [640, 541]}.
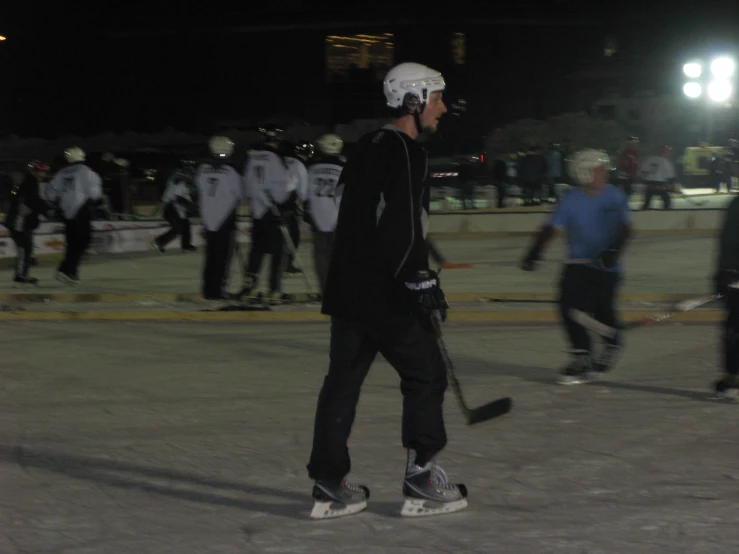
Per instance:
{"type": "Point", "coordinates": [87, 68]}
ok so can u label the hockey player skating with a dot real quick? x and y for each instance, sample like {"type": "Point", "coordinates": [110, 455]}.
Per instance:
{"type": "Point", "coordinates": [75, 191]}
{"type": "Point", "coordinates": [220, 189]}
{"type": "Point", "coordinates": [297, 159]}
{"type": "Point", "coordinates": [726, 282]}
{"type": "Point", "coordinates": [23, 218]}
{"type": "Point", "coordinates": [381, 297]}
{"type": "Point", "coordinates": [176, 200]}
{"type": "Point", "coordinates": [271, 190]}
{"type": "Point", "coordinates": [658, 174]}
{"type": "Point", "coordinates": [322, 201]}
{"type": "Point", "coordinates": [597, 220]}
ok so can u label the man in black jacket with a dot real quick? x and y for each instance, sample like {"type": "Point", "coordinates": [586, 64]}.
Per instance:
{"type": "Point", "coordinates": [381, 297]}
{"type": "Point", "coordinates": [23, 218]}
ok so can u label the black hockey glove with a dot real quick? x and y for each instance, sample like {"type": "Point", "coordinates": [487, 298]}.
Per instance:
{"type": "Point", "coordinates": [723, 279]}
{"type": "Point", "coordinates": [529, 261]}
{"type": "Point", "coordinates": [426, 295]}
{"type": "Point", "coordinates": [608, 259]}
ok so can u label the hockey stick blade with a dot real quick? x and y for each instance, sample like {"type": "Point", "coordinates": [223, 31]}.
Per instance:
{"type": "Point", "coordinates": [489, 411]}
{"type": "Point", "coordinates": [589, 322]}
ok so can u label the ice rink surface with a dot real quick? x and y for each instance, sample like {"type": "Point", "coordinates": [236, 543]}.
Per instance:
{"type": "Point", "coordinates": [159, 438]}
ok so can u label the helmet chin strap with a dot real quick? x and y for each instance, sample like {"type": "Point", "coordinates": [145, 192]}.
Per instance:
{"type": "Point", "coordinates": [417, 120]}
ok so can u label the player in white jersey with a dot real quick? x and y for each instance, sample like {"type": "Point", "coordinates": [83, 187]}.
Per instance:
{"type": "Point", "coordinates": [297, 159]}
{"type": "Point", "coordinates": [658, 174]}
{"type": "Point", "coordinates": [177, 199]}
{"type": "Point", "coordinates": [74, 191]}
{"type": "Point", "coordinates": [220, 189]}
{"type": "Point", "coordinates": [271, 189]}
{"type": "Point", "coordinates": [323, 200]}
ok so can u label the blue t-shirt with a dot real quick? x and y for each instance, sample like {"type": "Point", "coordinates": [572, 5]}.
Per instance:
{"type": "Point", "coordinates": [592, 223]}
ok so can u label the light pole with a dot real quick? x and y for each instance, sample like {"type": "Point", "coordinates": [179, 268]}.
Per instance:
{"type": "Point", "coordinates": [716, 81]}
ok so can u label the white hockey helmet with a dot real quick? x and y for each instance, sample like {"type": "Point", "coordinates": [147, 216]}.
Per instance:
{"type": "Point", "coordinates": [584, 162]}
{"type": "Point", "coordinates": [221, 147]}
{"type": "Point", "coordinates": [409, 85]}
{"type": "Point", "coordinates": [330, 144]}
{"type": "Point", "coordinates": [74, 154]}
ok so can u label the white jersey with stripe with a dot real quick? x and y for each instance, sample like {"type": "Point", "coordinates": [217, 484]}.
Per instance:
{"type": "Point", "coordinates": [221, 191]}
{"type": "Point", "coordinates": [324, 193]}
{"type": "Point", "coordinates": [269, 180]}
{"type": "Point", "coordinates": [299, 171]}
{"type": "Point", "coordinates": [73, 187]}
{"type": "Point", "coordinates": [658, 169]}
{"type": "Point", "coordinates": [177, 188]}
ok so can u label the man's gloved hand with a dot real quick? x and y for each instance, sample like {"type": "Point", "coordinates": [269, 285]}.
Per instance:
{"type": "Point", "coordinates": [608, 259]}
{"type": "Point", "coordinates": [723, 279]}
{"type": "Point", "coordinates": [529, 261]}
{"type": "Point", "coordinates": [426, 295]}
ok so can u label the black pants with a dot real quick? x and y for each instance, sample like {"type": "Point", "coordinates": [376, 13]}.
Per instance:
{"type": "Point", "coordinates": [179, 226]}
{"type": "Point", "coordinates": [626, 185]}
{"type": "Point", "coordinates": [502, 191]}
{"type": "Point", "coordinates": [293, 227]}
{"type": "Point", "coordinates": [266, 238]}
{"type": "Point", "coordinates": [730, 339]}
{"type": "Point", "coordinates": [77, 232]}
{"type": "Point", "coordinates": [531, 190]}
{"type": "Point", "coordinates": [218, 251]}
{"type": "Point", "coordinates": [24, 245]}
{"type": "Point", "coordinates": [323, 244]}
{"type": "Point", "coordinates": [592, 291]}
{"type": "Point", "coordinates": [413, 351]}
{"type": "Point", "coordinates": [659, 189]}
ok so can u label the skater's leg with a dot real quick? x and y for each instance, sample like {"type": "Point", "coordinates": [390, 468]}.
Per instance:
{"type": "Point", "coordinates": [352, 353]}
{"type": "Point", "coordinates": [604, 296]}
{"type": "Point", "coordinates": [259, 246]}
{"type": "Point", "coordinates": [280, 255]}
{"type": "Point", "coordinates": [728, 385]}
{"type": "Point", "coordinates": [414, 353]}
{"type": "Point", "coordinates": [322, 246]}
{"type": "Point", "coordinates": [575, 294]}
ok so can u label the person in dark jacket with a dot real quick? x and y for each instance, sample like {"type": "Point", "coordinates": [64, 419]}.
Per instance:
{"type": "Point", "coordinates": [23, 218]}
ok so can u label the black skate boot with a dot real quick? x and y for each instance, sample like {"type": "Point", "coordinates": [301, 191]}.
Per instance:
{"type": "Point", "coordinates": [22, 281]}
{"type": "Point", "coordinates": [292, 270]}
{"type": "Point", "coordinates": [69, 280]}
{"type": "Point", "coordinates": [338, 499]}
{"type": "Point", "coordinates": [579, 369]}
{"type": "Point", "coordinates": [155, 245]}
{"type": "Point", "coordinates": [727, 388]}
{"type": "Point", "coordinates": [608, 358]}
{"type": "Point", "coordinates": [276, 298]}
{"type": "Point", "coordinates": [428, 492]}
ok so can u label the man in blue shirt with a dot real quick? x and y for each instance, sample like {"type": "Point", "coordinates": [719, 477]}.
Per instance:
{"type": "Point", "coordinates": [597, 220]}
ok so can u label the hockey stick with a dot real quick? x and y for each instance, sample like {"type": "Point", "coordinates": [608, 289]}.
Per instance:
{"type": "Point", "coordinates": [488, 411]}
{"type": "Point", "coordinates": [681, 191]}
{"type": "Point", "coordinates": [589, 322]}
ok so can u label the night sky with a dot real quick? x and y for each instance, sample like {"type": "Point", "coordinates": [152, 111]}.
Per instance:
{"type": "Point", "coordinates": [130, 67]}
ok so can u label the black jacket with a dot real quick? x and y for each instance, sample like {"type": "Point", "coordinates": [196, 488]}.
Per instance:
{"type": "Point", "coordinates": [380, 233]}
{"type": "Point", "coordinates": [25, 194]}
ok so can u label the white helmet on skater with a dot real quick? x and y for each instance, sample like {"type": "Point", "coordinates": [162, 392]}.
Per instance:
{"type": "Point", "coordinates": [221, 147]}
{"type": "Point", "coordinates": [74, 154]}
{"type": "Point", "coordinates": [330, 144]}
{"type": "Point", "coordinates": [410, 85]}
{"type": "Point", "coordinates": [584, 163]}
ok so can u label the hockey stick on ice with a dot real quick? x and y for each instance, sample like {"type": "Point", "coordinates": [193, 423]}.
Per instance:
{"type": "Point", "coordinates": [589, 322]}
{"type": "Point", "coordinates": [687, 197]}
{"type": "Point", "coordinates": [477, 415]}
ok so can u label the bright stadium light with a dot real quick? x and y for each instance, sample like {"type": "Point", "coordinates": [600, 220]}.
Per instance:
{"type": "Point", "coordinates": [692, 90]}
{"type": "Point", "coordinates": [720, 90]}
{"type": "Point", "coordinates": [723, 67]}
{"type": "Point", "coordinates": [692, 70]}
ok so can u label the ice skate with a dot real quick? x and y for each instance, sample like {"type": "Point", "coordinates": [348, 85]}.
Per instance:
{"type": "Point", "coordinates": [727, 388]}
{"type": "Point", "coordinates": [579, 370]}
{"type": "Point", "coordinates": [25, 282]}
{"type": "Point", "coordinates": [156, 246]}
{"type": "Point", "coordinates": [292, 269]}
{"type": "Point", "coordinates": [338, 500]}
{"type": "Point", "coordinates": [277, 298]}
{"type": "Point", "coordinates": [609, 358]}
{"type": "Point", "coordinates": [428, 492]}
{"type": "Point", "coordinates": [66, 279]}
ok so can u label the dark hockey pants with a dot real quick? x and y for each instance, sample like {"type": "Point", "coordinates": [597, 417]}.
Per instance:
{"type": "Point", "coordinates": [24, 245]}
{"type": "Point", "coordinates": [730, 328]}
{"type": "Point", "coordinates": [77, 233]}
{"type": "Point", "coordinates": [323, 244]}
{"type": "Point", "coordinates": [266, 238]}
{"type": "Point", "coordinates": [180, 226]}
{"type": "Point", "coordinates": [219, 246]}
{"type": "Point", "coordinates": [592, 291]}
{"type": "Point", "coordinates": [414, 353]}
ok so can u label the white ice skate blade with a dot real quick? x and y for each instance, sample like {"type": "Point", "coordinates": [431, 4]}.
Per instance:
{"type": "Point", "coordinates": [329, 510]}
{"type": "Point", "coordinates": [731, 395]}
{"type": "Point", "coordinates": [572, 380]}
{"type": "Point", "coordinates": [416, 507]}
